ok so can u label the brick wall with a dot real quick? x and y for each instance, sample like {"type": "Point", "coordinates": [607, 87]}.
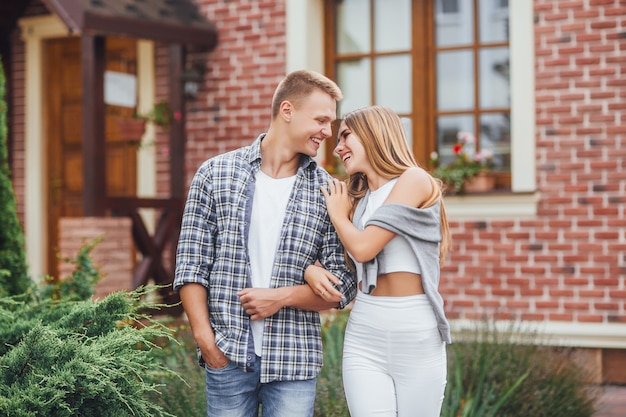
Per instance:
{"type": "Point", "coordinates": [16, 123]}
{"type": "Point", "coordinates": [113, 256]}
{"type": "Point", "coordinates": [569, 263]}
{"type": "Point", "coordinates": [242, 72]}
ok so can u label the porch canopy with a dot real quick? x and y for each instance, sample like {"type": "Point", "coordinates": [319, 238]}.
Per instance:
{"type": "Point", "coordinates": [171, 21]}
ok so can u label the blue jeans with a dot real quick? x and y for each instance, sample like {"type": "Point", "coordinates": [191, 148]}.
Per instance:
{"type": "Point", "coordinates": [230, 392]}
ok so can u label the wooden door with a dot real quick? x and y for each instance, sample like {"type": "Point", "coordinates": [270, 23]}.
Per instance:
{"type": "Point", "coordinates": [63, 110]}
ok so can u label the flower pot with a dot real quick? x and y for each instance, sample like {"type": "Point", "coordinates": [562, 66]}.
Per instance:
{"type": "Point", "coordinates": [480, 183]}
{"type": "Point", "coordinates": [131, 130]}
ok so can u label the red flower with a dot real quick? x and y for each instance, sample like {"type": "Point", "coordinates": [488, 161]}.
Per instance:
{"type": "Point", "coordinates": [457, 148]}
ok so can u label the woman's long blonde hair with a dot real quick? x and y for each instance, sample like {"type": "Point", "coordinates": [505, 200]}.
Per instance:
{"type": "Point", "coordinates": [382, 135]}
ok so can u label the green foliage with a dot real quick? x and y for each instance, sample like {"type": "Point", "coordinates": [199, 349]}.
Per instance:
{"type": "Point", "coordinates": [87, 358]}
{"type": "Point", "coordinates": [79, 285]}
{"type": "Point", "coordinates": [508, 374]}
{"type": "Point", "coordinates": [182, 393]}
{"type": "Point", "coordinates": [14, 277]}
{"type": "Point", "coordinates": [161, 114]}
{"type": "Point", "coordinates": [473, 394]}
{"type": "Point", "coordinates": [330, 400]}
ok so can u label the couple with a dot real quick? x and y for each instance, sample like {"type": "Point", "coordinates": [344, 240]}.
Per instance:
{"type": "Point", "coordinates": [256, 222]}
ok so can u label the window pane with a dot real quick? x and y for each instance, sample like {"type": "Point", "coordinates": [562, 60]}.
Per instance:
{"type": "Point", "coordinates": [447, 129]}
{"type": "Point", "coordinates": [392, 25]}
{"type": "Point", "coordinates": [353, 26]}
{"type": "Point", "coordinates": [494, 78]}
{"type": "Point", "coordinates": [393, 82]}
{"type": "Point", "coordinates": [449, 6]}
{"type": "Point", "coordinates": [354, 78]}
{"type": "Point", "coordinates": [495, 135]}
{"type": "Point", "coordinates": [454, 22]}
{"type": "Point", "coordinates": [408, 130]}
{"type": "Point", "coordinates": [455, 80]}
{"type": "Point", "coordinates": [493, 20]}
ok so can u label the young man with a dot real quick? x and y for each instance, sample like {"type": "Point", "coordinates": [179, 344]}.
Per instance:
{"type": "Point", "coordinates": [254, 220]}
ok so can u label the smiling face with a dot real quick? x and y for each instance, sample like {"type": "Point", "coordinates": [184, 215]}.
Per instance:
{"type": "Point", "coordinates": [310, 121]}
{"type": "Point", "coordinates": [351, 151]}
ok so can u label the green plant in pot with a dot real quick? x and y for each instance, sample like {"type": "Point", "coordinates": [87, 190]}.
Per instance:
{"type": "Point", "coordinates": [160, 115]}
{"type": "Point", "coordinates": [465, 164]}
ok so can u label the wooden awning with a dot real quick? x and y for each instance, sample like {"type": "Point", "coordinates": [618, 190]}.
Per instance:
{"type": "Point", "coordinates": [171, 21]}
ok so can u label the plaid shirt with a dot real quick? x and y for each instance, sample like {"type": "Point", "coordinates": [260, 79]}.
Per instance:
{"type": "Point", "coordinates": [213, 251]}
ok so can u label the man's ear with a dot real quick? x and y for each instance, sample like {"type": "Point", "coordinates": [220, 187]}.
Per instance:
{"type": "Point", "coordinates": [286, 110]}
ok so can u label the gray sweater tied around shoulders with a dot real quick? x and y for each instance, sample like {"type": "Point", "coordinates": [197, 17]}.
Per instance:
{"type": "Point", "coordinates": [421, 227]}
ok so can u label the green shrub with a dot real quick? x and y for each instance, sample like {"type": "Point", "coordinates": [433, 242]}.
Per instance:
{"type": "Point", "coordinates": [14, 279]}
{"type": "Point", "coordinates": [64, 354]}
{"type": "Point", "coordinates": [510, 374]}
{"type": "Point", "coordinates": [82, 358]}
{"type": "Point", "coordinates": [181, 391]}
{"type": "Point", "coordinates": [80, 284]}
{"type": "Point", "coordinates": [330, 400]}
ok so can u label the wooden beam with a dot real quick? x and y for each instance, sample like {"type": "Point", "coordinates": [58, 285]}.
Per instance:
{"type": "Point", "coordinates": [177, 128]}
{"type": "Point", "coordinates": [94, 152]}
{"type": "Point", "coordinates": [202, 35]}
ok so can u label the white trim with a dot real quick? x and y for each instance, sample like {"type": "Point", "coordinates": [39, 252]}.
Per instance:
{"type": "Point", "coordinates": [305, 35]}
{"type": "Point", "coordinates": [492, 205]}
{"type": "Point", "coordinates": [146, 155]}
{"type": "Point", "coordinates": [550, 333]}
{"type": "Point", "coordinates": [42, 27]}
{"type": "Point", "coordinates": [305, 41]}
{"type": "Point", "coordinates": [34, 31]}
{"type": "Point", "coordinates": [522, 67]}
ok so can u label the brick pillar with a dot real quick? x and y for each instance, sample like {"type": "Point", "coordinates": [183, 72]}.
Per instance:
{"type": "Point", "coordinates": [113, 256]}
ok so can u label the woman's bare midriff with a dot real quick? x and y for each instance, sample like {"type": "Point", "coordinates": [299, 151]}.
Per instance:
{"type": "Point", "coordinates": [398, 284]}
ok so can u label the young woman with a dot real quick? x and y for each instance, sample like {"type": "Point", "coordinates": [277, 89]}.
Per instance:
{"type": "Point", "coordinates": [391, 221]}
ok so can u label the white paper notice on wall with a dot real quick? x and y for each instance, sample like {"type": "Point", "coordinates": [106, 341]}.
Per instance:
{"type": "Point", "coordinates": [120, 89]}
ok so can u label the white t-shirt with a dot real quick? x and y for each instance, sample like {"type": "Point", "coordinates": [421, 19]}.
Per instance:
{"type": "Point", "coordinates": [397, 255]}
{"type": "Point", "coordinates": [269, 205]}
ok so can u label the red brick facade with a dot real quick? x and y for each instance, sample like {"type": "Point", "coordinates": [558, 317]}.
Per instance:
{"type": "Point", "coordinates": [113, 256]}
{"type": "Point", "coordinates": [242, 73]}
{"type": "Point", "coordinates": [568, 263]}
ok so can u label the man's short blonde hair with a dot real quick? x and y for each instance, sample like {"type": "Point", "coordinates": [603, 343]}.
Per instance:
{"type": "Point", "coordinates": [299, 84]}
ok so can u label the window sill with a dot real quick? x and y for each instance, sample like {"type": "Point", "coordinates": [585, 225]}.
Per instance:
{"type": "Point", "coordinates": [492, 204]}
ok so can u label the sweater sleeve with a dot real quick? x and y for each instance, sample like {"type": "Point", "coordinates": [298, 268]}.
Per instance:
{"type": "Point", "coordinates": [421, 224]}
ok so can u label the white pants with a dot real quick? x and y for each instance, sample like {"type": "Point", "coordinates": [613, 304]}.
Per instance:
{"type": "Point", "coordinates": [394, 361]}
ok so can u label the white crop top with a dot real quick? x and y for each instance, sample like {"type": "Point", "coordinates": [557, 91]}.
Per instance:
{"type": "Point", "coordinates": [397, 255]}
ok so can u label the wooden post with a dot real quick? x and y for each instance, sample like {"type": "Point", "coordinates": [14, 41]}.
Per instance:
{"type": "Point", "coordinates": [94, 149]}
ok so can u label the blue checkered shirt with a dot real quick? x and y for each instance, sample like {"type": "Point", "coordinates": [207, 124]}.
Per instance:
{"type": "Point", "coordinates": [212, 251]}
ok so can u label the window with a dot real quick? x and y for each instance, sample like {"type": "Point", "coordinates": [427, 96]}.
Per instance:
{"type": "Point", "coordinates": [448, 6]}
{"type": "Point", "coordinates": [442, 65]}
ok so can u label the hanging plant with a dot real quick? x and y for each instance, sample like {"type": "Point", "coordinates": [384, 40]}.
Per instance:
{"type": "Point", "coordinates": [160, 115]}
